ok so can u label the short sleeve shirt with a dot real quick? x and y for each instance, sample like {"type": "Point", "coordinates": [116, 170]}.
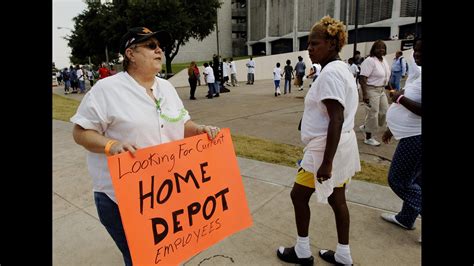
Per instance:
{"type": "Point", "coordinates": [377, 73]}
{"type": "Point", "coordinates": [334, 82]}
{"type": "Point", "coordinates": [119, 108]}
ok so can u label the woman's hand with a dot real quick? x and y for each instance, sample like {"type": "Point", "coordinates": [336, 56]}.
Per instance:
{"type": "Point", "coordinates": [324, 172]}
{"type": "Point", "coordinates": [395, 94]}
{"type": "Point", "coordinates": [119, 147]}
{"type": "Point", "coordinates": [387, 136]}
{"type": "Point", "coordinates": [211, 131]}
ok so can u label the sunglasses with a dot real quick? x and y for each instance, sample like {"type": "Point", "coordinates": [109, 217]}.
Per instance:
{"type": "Point", "coordinates": [149, 45]}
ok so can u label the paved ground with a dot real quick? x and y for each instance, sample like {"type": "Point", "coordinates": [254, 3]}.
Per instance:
{"type": "Point", "coordinates": [80, 239]}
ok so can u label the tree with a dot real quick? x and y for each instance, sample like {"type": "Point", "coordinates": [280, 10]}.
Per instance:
{"type": "Point", "coordinates": [182, 19]}
{"type": "Point", "coordinates": [95, 29]}
{"type": "Point", "coordinates": [103, 25]}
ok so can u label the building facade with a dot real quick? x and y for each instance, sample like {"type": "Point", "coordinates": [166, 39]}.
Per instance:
{"type": "Point", "coordinates": [265, 27]}
{"type": "Point", "coordinates": [274, 28]}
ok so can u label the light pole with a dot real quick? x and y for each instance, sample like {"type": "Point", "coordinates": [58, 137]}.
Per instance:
{"type": "Point", "coordinates": [356, 24]}
{"type": "Point", "coordinates": [416, 18]}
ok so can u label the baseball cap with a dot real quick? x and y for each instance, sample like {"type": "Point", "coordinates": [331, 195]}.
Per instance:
{"type": "Point", "coordinates": [140, 34]}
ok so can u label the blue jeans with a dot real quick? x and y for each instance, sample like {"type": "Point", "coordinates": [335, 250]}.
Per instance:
{"type": "Point", "coordinates": [288, 85]}
{"type": "Point", "coordinates": [109, 216]}
{"type": "Point", "coordinates": [82, 86]}
{"type": "Point", "coordinates": [211, 90]}
{"type": "Point", "coordinates": [395, 80]}
{"type": "Point", "coordinates": [217, 85]}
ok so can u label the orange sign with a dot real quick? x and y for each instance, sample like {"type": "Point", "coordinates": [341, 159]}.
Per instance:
{"type": "Point", "coordinates": [179, 198]}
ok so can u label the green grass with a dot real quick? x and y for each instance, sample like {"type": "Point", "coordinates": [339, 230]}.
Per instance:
{"type": "Point", "coordinates": [267, 151]}
{"type": "Point", "coordinates": [288, 155]}
{"type": "Point", "coordinates": [248, 147]}
{"type": "Point", "coordinates": [63, 108]}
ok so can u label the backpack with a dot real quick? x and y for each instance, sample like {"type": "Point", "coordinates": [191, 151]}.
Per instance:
{"type": "Point", "coordinates": [406, 64]}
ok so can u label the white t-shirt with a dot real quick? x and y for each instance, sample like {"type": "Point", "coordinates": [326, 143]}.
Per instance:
{"type": "Point", "coordinates": [233, 69]}
{"type": "Point", "coordinates": [336, 82]}
{"type": "Point", "coordinates": [401, 121]}
{"type": "Point", "coordinates": [276, 73]}
{"type": "Point", "coordinates": [318, 69]}
{"type": "Point", "coordinates": [354, 69]}
{"type": "Point", "coordinates": [251, 66]}
{"type": "Point", "coordinates": [209, 72]}
{"type": "Point", "coordinates": [225, 71]}
{"type": "Point", "coordinates": [377, 73]}
{"type": "Point", "coordinates": [120, 108]}
{"type": "Point", "coordinates": [80, 74]}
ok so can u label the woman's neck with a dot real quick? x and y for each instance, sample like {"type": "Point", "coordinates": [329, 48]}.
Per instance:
{"type": "Point", "coordinates": [144, 79]}
{"type": "Point", "coordinates": [333, 58]}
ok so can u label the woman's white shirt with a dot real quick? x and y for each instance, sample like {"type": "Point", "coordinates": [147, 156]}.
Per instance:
{"type": "Point", "coordinates": [119, 108]}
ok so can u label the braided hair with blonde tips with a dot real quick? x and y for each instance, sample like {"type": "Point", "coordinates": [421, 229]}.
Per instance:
{"type": "Point", "coordinates": [332, 29]}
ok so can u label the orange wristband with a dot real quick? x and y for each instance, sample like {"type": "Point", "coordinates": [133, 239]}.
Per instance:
{"type": "Point", "coordinates": [108, 146]}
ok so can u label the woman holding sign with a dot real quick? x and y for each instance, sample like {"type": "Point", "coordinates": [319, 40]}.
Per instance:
{"type": "Point", "coordinates": [331, 155]}
{"type": "Point", "coordinates": [130, 110]}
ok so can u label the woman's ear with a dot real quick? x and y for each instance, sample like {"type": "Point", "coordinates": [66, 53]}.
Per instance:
{"type": "Point", "coordinates": [129, 54]}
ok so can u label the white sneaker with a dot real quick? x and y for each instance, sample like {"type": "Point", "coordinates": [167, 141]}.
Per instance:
{"type": "Point", "coordinates": [391, 219]}
{"type": "Point", "coordinates": [372, 142]}
{"type": "Point", "coordinates": [362, 128]}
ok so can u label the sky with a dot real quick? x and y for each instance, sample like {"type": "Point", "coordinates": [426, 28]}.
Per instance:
{"type": "Point", "coordinates": [63, 12]}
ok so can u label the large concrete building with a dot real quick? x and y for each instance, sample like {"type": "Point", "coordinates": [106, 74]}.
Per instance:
{"type": "Point", "coordinates": [265, 27]}
{"type": "Point", "coordinates": [274, 28]}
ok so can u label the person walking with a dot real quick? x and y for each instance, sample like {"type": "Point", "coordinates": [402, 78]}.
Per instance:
{"type": "Point", "coordinates": [399, 70]}
{"type": "Point", "coordinates": [233, 73]}
{"type": "Point", "coordinates": [277, 78]}
{"type": "Point", "coordinates": [250, 71]}
{"type": "Point", "coordinates": [192, 79]}
{"type": "Point", "coordinates": [225, 71]}
{"type": "Point", "coordinates": [313, 73]}
{"type": "Point", "coordinates": [103, 71]}
{"type": "Point", "coordinates": [300, 69]}
{"type": "Point", "coordinates": [130, 110]}
{"type": "Point", "coordinates": [374, 77]}
{"type": "Point", "coordinates": [404, 123]}
{"type": "Point", "coordinates": [197, 74]}
{"type": "Point", "coordinates": [331, 155]}
{"type": "Point", "coordinates": [288, 76]}
{"type": "Point", "coordinates": [210, 79]}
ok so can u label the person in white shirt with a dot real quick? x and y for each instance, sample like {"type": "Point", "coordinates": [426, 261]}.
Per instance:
{"type": "Point", "coordinates": [233, 73]}
{"type": "Point", "coordinates": [374, 77]}
{"type": "Point", "coordinates": [130, 110]}
{"type": "Point", "coordinates": [353, 67]}
{"type": "Point", "coordinates": [404, 123]}
{"type": "Point", "coordinates": [277, 78]}
{"type": "Point", "coordinates": [225, 71]}
{"type": "Point", "coordinates": [251, 71]}
{"type": "Point", "coordinates": [90, 77]}
{"type": "Point", "coordinates": [331, 155]}
{"type": "Point", "coordinates": [80, 76]}
{"type": "Point", "coordinates": [313, 73]}
{"type": "Point", "coordinates": [210, 79]}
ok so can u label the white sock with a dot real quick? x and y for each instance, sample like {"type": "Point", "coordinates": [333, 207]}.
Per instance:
{"type": "Point", "coordinates": [343, 254]}
{"type": "Point", "coordinates": [302, 248]}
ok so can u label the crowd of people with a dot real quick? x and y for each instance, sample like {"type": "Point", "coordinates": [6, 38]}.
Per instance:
{"type": "Point", "coordinates": [331, 155]}
{"type": "Point", "coordinates": [74, 78]}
